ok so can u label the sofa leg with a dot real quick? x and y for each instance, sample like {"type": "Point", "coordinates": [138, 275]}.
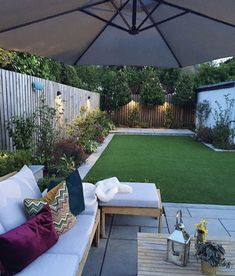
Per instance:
{"type": "Point", "coordinates": [97, 235]}
{"type": "Point", "coordinates": [160, 224]}
{"type": "Point", "coordinates": [102, 223]}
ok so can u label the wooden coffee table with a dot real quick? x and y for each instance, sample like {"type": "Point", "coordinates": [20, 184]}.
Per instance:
{"type": "Point", "coordinates": [152, 257]}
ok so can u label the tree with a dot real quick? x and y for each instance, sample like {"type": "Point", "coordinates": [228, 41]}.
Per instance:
{"type": "Point", "coordinates": [151, 92]}
{"type": "Point", "coordinates": [69, 76]}
{"type": "Point", "coordinates": [184, 92]}
{"type": "Point", "coordinates": [115, 89]}
{"type": "Point", "coordinates": [169, 78]}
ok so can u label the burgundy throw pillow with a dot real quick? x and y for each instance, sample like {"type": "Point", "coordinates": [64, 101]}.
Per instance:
{"type": "Point", "coordinates": [20, 246]}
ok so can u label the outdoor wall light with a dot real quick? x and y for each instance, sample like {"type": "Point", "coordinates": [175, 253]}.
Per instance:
{"type": "Point", "coordinates": [89, 97]}
{"type": "Point", "coordinates": [37, 86]}
{"type": "Point", "coordinates": [58, 93]}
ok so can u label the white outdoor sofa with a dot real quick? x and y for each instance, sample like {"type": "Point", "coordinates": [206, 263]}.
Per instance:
{"type": "Point", "coordinates": [68, 256]}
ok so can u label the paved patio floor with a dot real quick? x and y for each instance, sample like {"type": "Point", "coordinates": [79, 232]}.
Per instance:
{"type": "Point", "coordinates": [116, 255]}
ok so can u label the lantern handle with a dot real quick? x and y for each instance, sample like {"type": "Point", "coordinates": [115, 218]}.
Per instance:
{"type": "Point", "coordinates": [179, 219]}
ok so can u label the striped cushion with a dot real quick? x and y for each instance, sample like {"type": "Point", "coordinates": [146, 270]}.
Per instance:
{"type": "Point", "coordinates": [62, 217]}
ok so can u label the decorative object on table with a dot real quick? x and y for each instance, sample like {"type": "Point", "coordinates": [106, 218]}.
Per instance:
{"type": "Point", "coordinates": [201, 231]}
{"type": "Point", "coordinates": [178, 243]}
{"type": "Point", "coordinates": [211, 255]}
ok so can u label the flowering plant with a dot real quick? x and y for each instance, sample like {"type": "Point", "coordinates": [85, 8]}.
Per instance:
{"type": "Point", "coordinates": [201, 231]}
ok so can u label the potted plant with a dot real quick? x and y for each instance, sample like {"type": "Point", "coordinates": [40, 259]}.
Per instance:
{"type": "Point", "coordinates": [201, 231]}
{"type": "Point", "coordinates": [211, 255]}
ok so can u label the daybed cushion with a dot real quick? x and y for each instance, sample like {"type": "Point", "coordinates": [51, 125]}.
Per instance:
{"type": "Point", "coordinates": [90, 199]}
{"type": "Point", "coordinates": [143, 195]}
{"type": "Point", "coordinates": [53, 265]}
{"type": "Point", "coordinates": [90, 209]}
{"type": "Point", "coordinates": [13, 191]}
{"type": "Point", "coordinates": [75, 241]}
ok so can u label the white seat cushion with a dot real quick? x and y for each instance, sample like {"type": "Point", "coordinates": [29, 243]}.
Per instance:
{"type": "Point", "coordinates": [52, 265]}
{"type": "Point", "coordinates": [75, 240]}
{"type": "Point", "coordinates": [90, 209]}
{"type": "Point", "coordinates": [2, 230]}
{"type": "Point", "coordinates": [12, 193]}
{"type": "Point", "coordinates": [143, 195]}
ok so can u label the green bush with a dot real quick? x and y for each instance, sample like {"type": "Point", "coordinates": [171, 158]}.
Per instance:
{"type": "Point", "coordinates": [13, 161]}
{"type": "Point", "coordinates": [91, 128]}
{"type": "Point", "coordinates": [21, 131]}
{"type": "Point", "coordinates": [184, 91]}
{"type": "Point", "coordinates": [69, 76]}
{"type": "Point", "coordinates": [151, 92]}
{"type": "Point", "coordinates": [168, 117]}
{"type": "Point", "coordinates": [133, 117]}
{"type": "Point", "coordinates": [221, 136]}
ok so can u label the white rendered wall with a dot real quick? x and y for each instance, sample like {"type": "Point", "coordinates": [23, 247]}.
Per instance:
{"type": "Point", "coordinates": [217, 95]}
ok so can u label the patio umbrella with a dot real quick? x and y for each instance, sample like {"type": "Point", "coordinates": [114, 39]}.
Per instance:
{"type": "Point", "coordinates": [165, 33]}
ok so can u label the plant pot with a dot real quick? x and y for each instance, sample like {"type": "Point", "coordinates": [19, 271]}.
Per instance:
{"type": "Point", "coordinates": [207, 269]}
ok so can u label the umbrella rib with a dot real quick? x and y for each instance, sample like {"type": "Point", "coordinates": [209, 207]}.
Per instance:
{"type": "Point", "coordinates": [101, 31]}
{"type": "Point", "coordinates": [162, 36]}
{"type": "Point", "coordinates": [198, 13]}
{"type": "Point", "coordinates": [50, 17]}
{"type": "Point", "coordinates": [163, 21]}
{"type": "Point", "coordinates": [121, 15]}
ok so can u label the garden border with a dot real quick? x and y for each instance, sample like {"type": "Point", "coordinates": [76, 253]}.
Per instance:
{"type": "Point", "coordinates": [215, 149]}
{"type": "Point", "coordinates": [91, 160]}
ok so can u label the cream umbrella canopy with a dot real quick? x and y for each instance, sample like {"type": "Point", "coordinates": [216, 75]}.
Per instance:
{"type": "Point", "coordinates": [164, 33]}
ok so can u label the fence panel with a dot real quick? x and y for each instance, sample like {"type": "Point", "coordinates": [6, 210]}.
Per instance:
{"type": "Point", "coordinates": [155, 116]}
{"type": "Point", "coordinates": [17, 97]}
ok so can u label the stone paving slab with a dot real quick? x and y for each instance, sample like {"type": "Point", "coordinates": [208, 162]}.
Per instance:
{"type": "Point", "coordinates": [95, 259]}
{"type": "Point", "coordinates": [229, 224]}
{"type": "Point", "coordinates": [148, 229]}
{"type": "Point", "coordinates": [120, 258]}
{"type": "Point", "coordinates": [124, 220]}
{"type": "Point", "coordinates": [199, 206]}
{"type": "Point", "coordinates": [124, 232]}
{"type": "Point", "coordinates": [152, 131]}
{"type": "Point", "coordinates": [212, 213]}
{"type": "Point", "coordinates": [171, 211]}
{"type": "Point", "coordinates": [214, 226]}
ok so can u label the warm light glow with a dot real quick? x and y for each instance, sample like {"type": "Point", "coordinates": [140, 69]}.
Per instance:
{"type": "Point", "coordinates": [132, 103]}
{"type": "Point", "coordinates": [166, 105]}
{"type": "Point", "coordinates": [59, 107]}
{"type": "Point", "coordinates": [88, 104]}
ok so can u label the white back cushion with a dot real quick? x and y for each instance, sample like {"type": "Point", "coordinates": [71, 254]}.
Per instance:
{"type": "Point", "coordinates": [12, 193]}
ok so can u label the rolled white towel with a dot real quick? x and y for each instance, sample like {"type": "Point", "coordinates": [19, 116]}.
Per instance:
{"type": "Point", "coordinates": [89, 193]}
{"type": "Point", "coordinates": [106, 189]}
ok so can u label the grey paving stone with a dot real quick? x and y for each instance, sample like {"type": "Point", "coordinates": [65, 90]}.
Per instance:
{"type": "Point", "coordinates": [124, 232]}
{"type": "Point", "coordinates": [212, 213]}
{"type": "Point", "coordinates": [199, 206]}
{"type": "Point", "coordinates": [232, 234]}
{"type": "Point", "coordinates": [120, 258]}
{"type": "Point", "coordinates": [229, 224]}
{"type": "Point", "coordinates": [171, 211]}
{"type": "Point", "coordinates": [137, 221]}
{"type": "Point", "coordinates": [215, 228]}
{"type": "Point", "coordinates": [95, 259]}
{"type": "Point", "coordinates": [147, 229]}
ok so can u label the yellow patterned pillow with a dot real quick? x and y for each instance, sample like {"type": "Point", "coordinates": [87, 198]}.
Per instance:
{"type": "Point", "coordinates": [50, 196]}
{"type": "Point", "coordinates": [63, 219]}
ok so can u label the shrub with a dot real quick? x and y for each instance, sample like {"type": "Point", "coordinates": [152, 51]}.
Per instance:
{"type": "Point", "coordinates": [69, 76]}
{"type": "Point", "coordinates": [115, 90]}
{"type": "Point", "coordinates": [151, 92]}
{"type": "Point", "coordinates": [168, 117]}
{"type": "Point", "coordinates": [184, 93]}
{"type": "Point", "coordinates": [13, 161]}
{"type": "Point", "coordinates": [93, 127]}
{"type": "Point", "coordinates": [204, 134]}
{"type": "Point", "coordinates": [221, 136]}
{"type": "Point", "coordinates": [203, 111]}
{"type": "Point", "coordinates": [70, 149]}
{"type": "Point", "coordinates": [133, 117]}
{"type": "Point", "coordinates": [90, 146]}
{"type": "Point", "coordinates": [21, 131]}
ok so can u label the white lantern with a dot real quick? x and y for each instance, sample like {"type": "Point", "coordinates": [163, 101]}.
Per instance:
{"type": "Point", "coordinates": [178, 243]}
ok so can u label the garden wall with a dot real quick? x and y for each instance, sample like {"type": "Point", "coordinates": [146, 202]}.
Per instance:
{"type": "Point", "coordinates": [182, 117]}
{"type": "Point", "coordinates": [216, 92]}
{"type": "Point", "coordinates": [17, 97]}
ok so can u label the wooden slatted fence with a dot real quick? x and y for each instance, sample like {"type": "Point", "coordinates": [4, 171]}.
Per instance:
{"type": "Point", "coordinates": [17, 97]}
{"type": "Point", "coordinates": [154, 117]}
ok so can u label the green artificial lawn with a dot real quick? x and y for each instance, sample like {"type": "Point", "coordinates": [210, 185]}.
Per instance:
{"type": "Point", "coordinates": [184, 170]}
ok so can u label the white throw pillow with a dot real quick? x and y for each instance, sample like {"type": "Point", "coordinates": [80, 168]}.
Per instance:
{"type": "Point", "coordinates": [12, 193]}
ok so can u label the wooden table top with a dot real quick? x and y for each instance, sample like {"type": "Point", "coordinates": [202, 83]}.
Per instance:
{"type": "Point", "coordinates": [152, 257]}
